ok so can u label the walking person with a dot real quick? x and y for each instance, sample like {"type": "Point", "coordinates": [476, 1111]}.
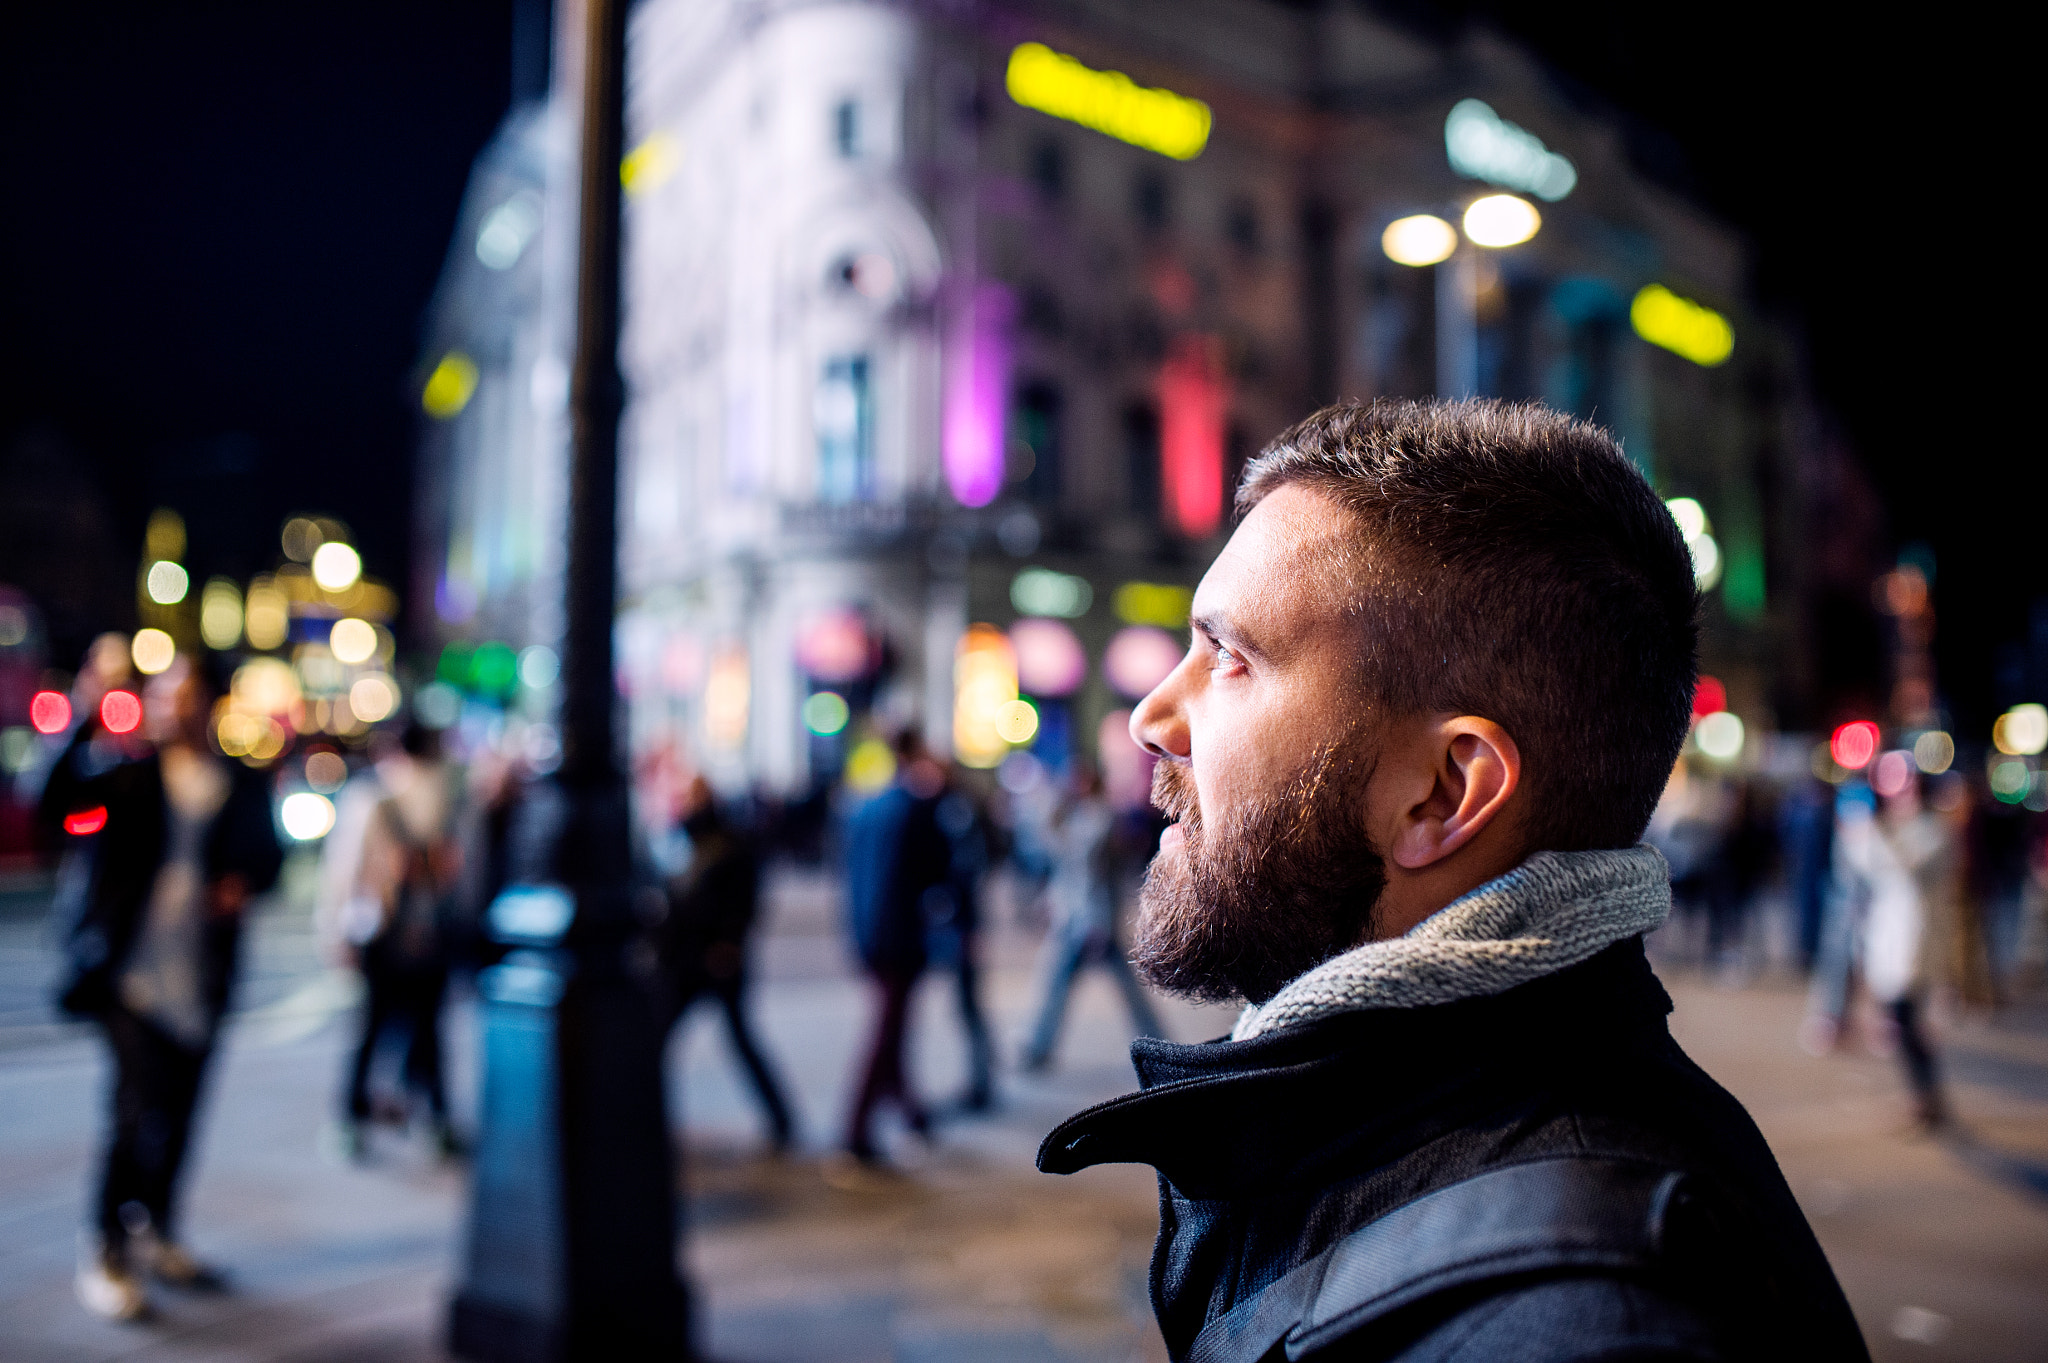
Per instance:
{"type": "Point", "coordinates": [1904, 857]}
{"type": "Point", "coordinates": [166, 844]}
{"type": "Point", "coordinates": [713, 897]}
{"type": "Point", "coordinates": [394, 869]}
{"type": "Point", "coordinates": [898, 864]}
{"type": "Point", "coordinates": [1083, 898]}
{"type": "Point", "coordinates": [953, 937]}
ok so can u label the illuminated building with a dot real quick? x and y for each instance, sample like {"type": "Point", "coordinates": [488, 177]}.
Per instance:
{"type": "Point", "coordinates": [918, 303]}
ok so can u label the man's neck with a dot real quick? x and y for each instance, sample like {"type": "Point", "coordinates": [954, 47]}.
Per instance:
{"type": "Point", "coordinates": [1413, 895]}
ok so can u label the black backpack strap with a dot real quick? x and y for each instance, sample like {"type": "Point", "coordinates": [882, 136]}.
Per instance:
{"type": "Point", "coordinates": [1563, 1214]}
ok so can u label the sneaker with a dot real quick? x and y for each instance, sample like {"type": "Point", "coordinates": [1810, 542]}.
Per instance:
{"type": "Point", "coordinates": [108, 1288]}
{"type": "Point", "coordinates": [173, 1265]}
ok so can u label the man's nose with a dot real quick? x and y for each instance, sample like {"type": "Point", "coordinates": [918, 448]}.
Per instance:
{"type": "Point", "coordinates": [1159, 722]}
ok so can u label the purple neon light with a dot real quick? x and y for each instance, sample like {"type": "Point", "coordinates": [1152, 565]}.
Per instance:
{"type": "Point", "coordinates": [977, 385]}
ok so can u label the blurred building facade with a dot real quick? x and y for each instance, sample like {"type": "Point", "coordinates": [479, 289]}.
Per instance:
{"type": "Point", "coordinates": [894, 338]}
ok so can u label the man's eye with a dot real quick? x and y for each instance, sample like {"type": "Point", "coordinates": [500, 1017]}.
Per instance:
{"type": "Point", "coordinates": [1224, 657]}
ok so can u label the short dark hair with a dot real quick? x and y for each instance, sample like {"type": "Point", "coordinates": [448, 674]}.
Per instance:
{"type": "Point", "coordinates": [1517, 566]}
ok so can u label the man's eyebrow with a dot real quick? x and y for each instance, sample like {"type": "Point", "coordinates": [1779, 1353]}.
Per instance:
{"type": "Point", "coordinates": [1221, 628]}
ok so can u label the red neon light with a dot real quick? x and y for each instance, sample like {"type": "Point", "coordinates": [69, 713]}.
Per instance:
{"type": "Point", "coordinates": [1854, 744]}
{"type": "Point", "coordinates": [1194, 400]}
{"type": "Point", "coordinates": [121, 711]}
{"type": "Point", "coordinates": [86, 821]}
{"type": "Point", "coordinates": [49, 711]}
{"type": "Point", "coordinates": [1709, 697]}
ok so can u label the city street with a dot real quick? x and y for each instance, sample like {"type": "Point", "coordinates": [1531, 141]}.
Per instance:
{"type": "Point", "coordinates": [968, 1253]}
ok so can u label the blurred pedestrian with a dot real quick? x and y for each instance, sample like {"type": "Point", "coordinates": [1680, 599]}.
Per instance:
{"type": "Point", "coordinates": [953, 935]}
{"type": "Point", "coordinates": [1083, 899]}
{"type": "Point", "coordinates": [389, 880]}
{"type": "Point", "coordinates": [712, 885]}
{"type": "Point", "coordinates": [898, 860]}
{"type": "Point", "coordinates": [1913, 863]}
{"type": "Point", "coordinates": [167, 843]}
{"type": "Point", "coordinates": [1806, 830]}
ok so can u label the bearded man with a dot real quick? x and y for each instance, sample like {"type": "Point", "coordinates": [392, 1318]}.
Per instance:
{"type": "Point", "coordinates": [1438, 678]}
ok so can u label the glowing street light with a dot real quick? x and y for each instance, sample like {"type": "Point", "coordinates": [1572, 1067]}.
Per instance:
{"type": "Point", "coordinates": [1501, 220]}
{"type": "Point", "coordinates": [1420, 239]}
{"type": "Point", "coordinates": [336, 566]}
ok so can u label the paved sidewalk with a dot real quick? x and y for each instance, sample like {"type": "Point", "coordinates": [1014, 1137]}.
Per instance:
{"type": "Point", "coordinates": [970, 1254]}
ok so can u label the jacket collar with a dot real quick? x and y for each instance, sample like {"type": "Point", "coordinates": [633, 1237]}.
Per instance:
{"type": "Point", "coordinates": [1226, 1118]}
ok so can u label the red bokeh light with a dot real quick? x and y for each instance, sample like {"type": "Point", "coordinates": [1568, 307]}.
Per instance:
{"type": "Point", "coordinates": [84, 821]}
{"type": "Point", "coordinates": [121, 712]}
{"type": "Point", "coordinates": [1709, 697]}
{"type": "Point", "coordinates": [49, 711]}
{"type": "Point", "coordinates": [1854, 744]}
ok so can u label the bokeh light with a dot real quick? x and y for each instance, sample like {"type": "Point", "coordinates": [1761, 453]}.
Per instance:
{"type": "Point", "coordinates": [1017, 721]}
{"type": "Point", "coordinates": [2021, 731]}
{"type": "Point", "coordinates": [267, 618]}
{"type": "Point", "coordinates": [1153, 603]}
{"type": "Point", "coordinates": [1050, 659]}
{"type": "Point", "coordinates": [373, 698]}
{"type": "Point", "coordinates": [49, 712]}
{"type": "Point", "coordinates": [220, 614]}
{"type": "Point", "coordinates": [1420, 239]}
{"type": "Point", "coordinates": [1681, 326]}
{"type": "Point", "coordinates": [121, 711]}
{"type": "Point", "coordinates": [1854, 744]}
{"type": "Point", "coordinates": [1709, 696]}
{"type": "Point", "coordinates": [336, 566]}
{"type": "Point", "coordinates": [326, 772]}
{"type": "Point", "coordinates": [83, 823]}
{"type": "Point", "coordinates": [1110, 102]}
{"type": "Point", "coordinates": [352, 640]}
{"type": "Point", "coordinates": [826, 713]}
{"type": "Point", "coordinates": [306, 815]}
{"type": "Point", "coordinates": [539, 667]}
{"type": "Point", "coordinates": [1892, 773]}
{"type": "Point", "coordinates": [1041, 591]}
{"type": "Point", "coordinates": [2009, 780]}
{"type": "Point", "coordinates": [166, 582]}
{"type": "Point", "coordinates": [1690, 515]}
{"type": "Point", "coordinates": [1139, 658]}
{"type": "Point", "coordinates": [1934, 752]}
{"type": "Point", "coordinates": [1501, 220]}
{"type": "Point", "coordinates": [984, 683]}
{"type": "Point", "coordinates": [1719, 735]}
{"type": "Point", "coordinates": [870, 766]}
{"type": "Point", "coordinates": [152, 651]}
{"type": "Point", "coordinates": [437, 705]}
{"type": "Point", "coordinates": [450, 386]}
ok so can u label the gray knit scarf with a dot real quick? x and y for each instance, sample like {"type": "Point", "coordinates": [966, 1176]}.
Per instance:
{"type": "Point", "coordinates": [1554, 910]}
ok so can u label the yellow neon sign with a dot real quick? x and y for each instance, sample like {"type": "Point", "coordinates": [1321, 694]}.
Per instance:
{"type": "Point", "coordinates": [1110, 102]}
{"type": "Point", "coordinates": [1681, 326]}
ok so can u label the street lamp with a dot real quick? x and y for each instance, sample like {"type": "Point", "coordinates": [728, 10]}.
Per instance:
{"type": "Point", "coordinates": [571, 1247]}
{"type": "Point", "coordinates": [1423, 239]}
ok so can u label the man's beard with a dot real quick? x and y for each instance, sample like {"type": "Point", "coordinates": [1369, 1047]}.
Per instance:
{"type": "Point", "coordinates": [1240, 911]}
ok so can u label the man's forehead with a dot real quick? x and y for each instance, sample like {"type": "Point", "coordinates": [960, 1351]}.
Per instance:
{"type": "Point", "coordinates": [1289, 561]}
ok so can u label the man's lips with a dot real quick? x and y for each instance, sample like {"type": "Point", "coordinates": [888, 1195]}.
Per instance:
{"type": "Point", "coordinates": [1172, 837]}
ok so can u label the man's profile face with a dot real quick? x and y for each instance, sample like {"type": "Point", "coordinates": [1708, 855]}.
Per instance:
{"type": "Point", "coordinates": [1265, 753]}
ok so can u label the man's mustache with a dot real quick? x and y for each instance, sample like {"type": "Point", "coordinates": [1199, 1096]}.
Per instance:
{"type": "Point", "coordinates": [1173, 794]}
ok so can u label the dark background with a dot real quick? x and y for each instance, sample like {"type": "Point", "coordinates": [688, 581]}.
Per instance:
{"type": "Point", "coordinates": [222, 222]}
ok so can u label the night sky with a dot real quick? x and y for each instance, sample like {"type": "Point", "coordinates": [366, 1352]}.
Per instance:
{"type": "Point", "coordinates": [222, 222]}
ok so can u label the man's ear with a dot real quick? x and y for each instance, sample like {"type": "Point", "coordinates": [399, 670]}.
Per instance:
{"type": "Point", "coordinates": [1476, 769]}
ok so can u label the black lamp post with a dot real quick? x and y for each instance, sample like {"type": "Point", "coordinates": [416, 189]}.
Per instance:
{"type": "Point", "coordinates": [571, 1249]}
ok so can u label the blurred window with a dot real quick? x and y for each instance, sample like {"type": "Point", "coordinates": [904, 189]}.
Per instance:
{"type": "Point", "coordinates": [1141, 459]}
{"type": "Point", "coordinates": [1149, 202]}
{"type": "Point", "coordinates": [846, 128]}
{"type": "Point", "coordinates": [1241, 226]}
{"type": "Point", "coordinates": [1049, 170]}
{"type": "Point", "coordinates": [843, 414]}
{"type": "Point", "coordinates": [1038, 426]}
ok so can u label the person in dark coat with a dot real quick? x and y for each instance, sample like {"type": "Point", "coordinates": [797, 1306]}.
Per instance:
{"type": "Point", "coordinates": [899, 864]}
{"type": "Point", "coordinates": [1437, 680]}
{"type": "Point", "coordinates": [165, 844]}
{"type": "Point", "coordinates": [713, 899]}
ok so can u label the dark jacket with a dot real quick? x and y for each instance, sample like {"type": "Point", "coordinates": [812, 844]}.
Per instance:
{"type": "Point", "coordinates": [104, 884]}
{"type": "Point", "coordinates": [1273, 1149]}
{"type": "Point", "coordinates": [711, 905]}
{"type": "Point", "coordinates": [896, 854]}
